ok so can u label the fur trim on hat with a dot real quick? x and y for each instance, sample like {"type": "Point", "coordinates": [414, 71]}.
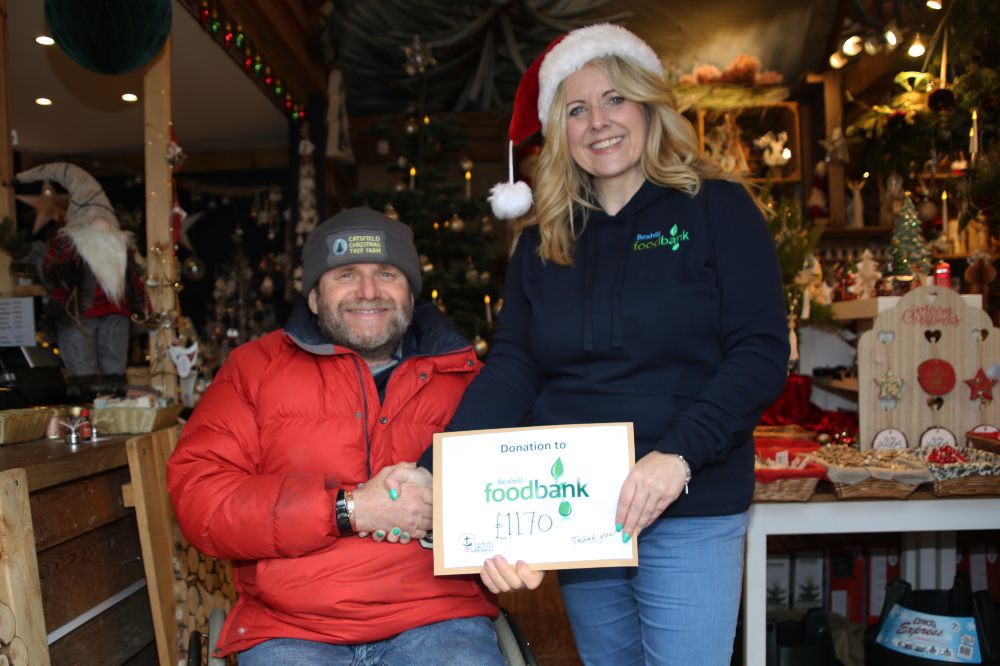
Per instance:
{"type": "Point", "coordinates": [580, 47]}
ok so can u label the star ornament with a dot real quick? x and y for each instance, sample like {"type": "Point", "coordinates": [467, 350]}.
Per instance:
{"type": "Point", "coordinates": [48, 206]}
{"type": "Point", "coordinates": [981, 387]}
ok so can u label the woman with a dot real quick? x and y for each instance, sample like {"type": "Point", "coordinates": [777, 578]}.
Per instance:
{"type": "Point", "coordinates": [644, 287]}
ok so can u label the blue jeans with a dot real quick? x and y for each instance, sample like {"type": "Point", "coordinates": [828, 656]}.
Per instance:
{"type": "Point", "coordinates": [678, 607]}
{"type": "Point", "coordinates": [469, 640]}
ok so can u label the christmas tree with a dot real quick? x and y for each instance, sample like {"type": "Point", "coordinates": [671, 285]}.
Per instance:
{"type": "Point", "coordinates": [907, 249]}
{"type": "Point", "coordinates": [461, 258]}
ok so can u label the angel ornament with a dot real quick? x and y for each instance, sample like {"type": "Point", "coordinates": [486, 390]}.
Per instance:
{"type": "Point", "coordinates": [866, 283]}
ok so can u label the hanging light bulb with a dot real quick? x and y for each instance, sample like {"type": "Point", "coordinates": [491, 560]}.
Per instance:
{"type": "Point", "coordinates": [934, 4]}
{"type": "Point", "coordinates": [892, 36]}
{"type": "Point", "coordinates": [916, 48]}
{"type": "Point", "coordinates": [852, 45]}
{"type": "Point", "coordinates": [837, 60]}
{"type": "Point", "coordinates": [873, 44]}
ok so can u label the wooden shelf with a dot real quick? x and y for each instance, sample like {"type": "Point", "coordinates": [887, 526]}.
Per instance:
{"type": "Point", "coordinates": [847, 384]}
{"type": "Point", "coordinates": [869, 308]}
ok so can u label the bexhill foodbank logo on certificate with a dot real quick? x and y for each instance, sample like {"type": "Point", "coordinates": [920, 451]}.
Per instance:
{"type": "Point", "coordinates": [544, 495]}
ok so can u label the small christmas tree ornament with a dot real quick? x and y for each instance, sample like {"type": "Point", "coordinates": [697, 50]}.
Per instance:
{"type": "Point", "coordinates": [909, 253]}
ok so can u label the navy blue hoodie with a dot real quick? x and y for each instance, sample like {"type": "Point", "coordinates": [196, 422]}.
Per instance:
{"type": "Point", "coordinates": [671, 316]}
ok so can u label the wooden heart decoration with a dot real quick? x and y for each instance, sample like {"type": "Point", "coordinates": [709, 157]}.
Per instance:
{"type": "Point", "coordinates": [885, 337]}
{"type": "Point", "coordinates": [935, 402]}
{"type": "Point", "coordinates": [931, 297]}
{"type": "Point", "coordinates": [933, 336]}
{"type": "Point", "coordinates": [985, 333]}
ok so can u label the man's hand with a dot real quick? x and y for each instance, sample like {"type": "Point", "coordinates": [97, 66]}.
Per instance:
{"type": "Point", "coordinates": [375, 511]}
{"type": "Point", "coordinates": [499, 576]}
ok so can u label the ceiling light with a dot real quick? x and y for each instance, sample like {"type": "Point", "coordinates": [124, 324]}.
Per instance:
{"type": "Point", "coordinates": [43, 101]}
{"type": "Point", "coordinates": [891, 37]}
{"type": "Point", "coordinates": [934, 4]}
{"type": "Point", "coordinates": [44, 40]}
{"type": "Point", "coordinates": [873, 44]}
{"type": "Point", "coordinates": [130, 97]}
{"type": "Point", "coordinates": [916, 48]}
{"type": "Point", "coordinates": [852, 46]}
{"type": "Point", "coordinates": [837, 60]}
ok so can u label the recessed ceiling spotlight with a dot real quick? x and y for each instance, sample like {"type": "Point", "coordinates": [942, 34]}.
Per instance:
{"type": "Point", "coordinates": [917, 48]}
{"type": "Point", "coordinates": [130, 97]}
{"type": "Point", "coordinates": [837, 60]}
{"type": "Point", "coordinates": [43, 101]}
{"type": "Point", "coordinates": [934, 4]}
{"type": "Point", "coordinates": [44, 40]}
{"type": "Point", "coordinates": [891, 35]}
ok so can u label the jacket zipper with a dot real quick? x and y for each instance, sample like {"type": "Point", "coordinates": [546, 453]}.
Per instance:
{"type": "Point", "coordinates": [364, 405]}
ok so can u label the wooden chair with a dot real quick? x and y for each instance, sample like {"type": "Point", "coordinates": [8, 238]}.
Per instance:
{"type": "Point", "coordinates": [184, 584]}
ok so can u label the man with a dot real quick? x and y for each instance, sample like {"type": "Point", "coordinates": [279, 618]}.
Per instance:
{"type": "Point", "coordinates": [282, 467]}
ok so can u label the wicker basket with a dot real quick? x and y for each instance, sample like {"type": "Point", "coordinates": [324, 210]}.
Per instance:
{"type": "Point", "coordinates": [983, 442]}
{"type": "Point", "coordinates": [785, 490]}
{"type": "Point", "coordinates": [874, 488]}
{"type": "Point", "coordinates": [968, 485]}
{"type": "Point", "coordinates": [23, 425]}
{"type": "Point", "coordinates": [119, 420]}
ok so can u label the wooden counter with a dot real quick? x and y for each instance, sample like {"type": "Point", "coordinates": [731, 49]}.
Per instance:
{"type": "Point", "coordinates": [94, 596]}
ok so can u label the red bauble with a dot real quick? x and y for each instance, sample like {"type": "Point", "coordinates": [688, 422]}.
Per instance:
{"type": "Point", "coordinates": [936, 376]}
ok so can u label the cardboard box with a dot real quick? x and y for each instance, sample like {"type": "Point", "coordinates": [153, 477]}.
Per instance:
{"type": "Point", "coordinates": [883, 568]}
{"type": "Point", "coordinates": [847, 583]}
{"type": "Point", "coordinates": [807, 580]}
{"type": "Point", "coordinates": [779, 578]}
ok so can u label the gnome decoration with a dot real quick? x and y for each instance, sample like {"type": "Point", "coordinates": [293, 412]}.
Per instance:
{"type": "Point", "coordinates": [94, 285]}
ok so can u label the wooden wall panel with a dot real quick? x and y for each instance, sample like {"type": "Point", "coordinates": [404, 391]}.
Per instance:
{"type": "Point", "coordinates": [122, 634]}
{"type": "Point", "coordinates": [68, 510]}
{"type": "Point", "coordinates": [80, 573]}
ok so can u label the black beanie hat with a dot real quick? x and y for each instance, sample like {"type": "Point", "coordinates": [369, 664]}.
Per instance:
{"type": "Point", "coordinates": [360, 236]}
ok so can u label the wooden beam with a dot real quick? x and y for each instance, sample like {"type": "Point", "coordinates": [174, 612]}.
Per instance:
{"type": "Point", "coordinates": [860, 74]}
{"type": "Point", "coordinates": [20, 589]}
{"type": "Point", "coordinates": [7, 208]}
{"type": "Point", "coordinates": [833, 111]}
{"type": "Point", "coordinates": [285, 42]}
{"type": "Point", "coordinates": [160, 261]}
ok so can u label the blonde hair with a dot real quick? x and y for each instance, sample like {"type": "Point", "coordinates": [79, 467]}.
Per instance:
{"type": "Point", "coordinates": [670, 158]}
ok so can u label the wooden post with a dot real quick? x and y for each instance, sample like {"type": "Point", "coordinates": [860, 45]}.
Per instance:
{"type": "Point", "coordinates": [6, 154]}
{"type": "Point", "coordinates": [833, 110]}
{"type": "Point", "coordinates": [161, 263]}
{"type": "Point", "coordinates": [20, 589]}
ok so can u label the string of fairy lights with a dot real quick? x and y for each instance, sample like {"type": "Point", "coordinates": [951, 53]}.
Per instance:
{"type": "Point", "coordinates": [227, 31]}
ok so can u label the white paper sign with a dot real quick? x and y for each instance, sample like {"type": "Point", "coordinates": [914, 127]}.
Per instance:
{"type": "Point", "coordinates": [17, 322]}
{"type": "Point", "coordinates": [544, 495]}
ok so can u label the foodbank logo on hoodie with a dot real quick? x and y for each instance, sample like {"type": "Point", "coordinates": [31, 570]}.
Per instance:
{"type": "Point", "coordinates": [658, 239]}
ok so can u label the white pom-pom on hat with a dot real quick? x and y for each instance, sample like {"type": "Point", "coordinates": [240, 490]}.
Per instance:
{"type": "Point", "coordinates": [565, 55]}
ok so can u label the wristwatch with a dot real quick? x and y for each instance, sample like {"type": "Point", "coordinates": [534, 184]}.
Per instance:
{"type": "Point", "coordinates": [687, 472]}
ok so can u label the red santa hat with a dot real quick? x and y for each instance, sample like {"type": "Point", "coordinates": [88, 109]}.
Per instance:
{"type": "Point", "coordinates": [565, 55]}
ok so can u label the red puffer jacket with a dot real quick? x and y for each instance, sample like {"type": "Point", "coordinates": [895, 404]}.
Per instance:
{"type": "Point", "coordinates": [288, 419]}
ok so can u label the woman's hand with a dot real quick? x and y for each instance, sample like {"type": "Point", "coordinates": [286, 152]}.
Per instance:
{"type": "Point", "coordinates": [650, 487]}
{"type": "Point", "coordinates": [499, 576]}
{"type": "Point", "coordinates": [407, 473]}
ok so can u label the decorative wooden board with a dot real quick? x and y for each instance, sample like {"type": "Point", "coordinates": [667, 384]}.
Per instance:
{"type": "Point", "coordinates": [934, 343]}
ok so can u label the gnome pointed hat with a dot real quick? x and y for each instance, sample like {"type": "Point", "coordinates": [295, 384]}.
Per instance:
{"type": "Point", "coordinates": [533, 100]}
{"type": "Point", "coordinates": [87, 199]}
{"type": "Point", "coordinates": [91, 224]}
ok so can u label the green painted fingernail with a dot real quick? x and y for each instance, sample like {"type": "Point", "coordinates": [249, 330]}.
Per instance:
{"type": "Point", "coordinates": [395, 531]}
{"type": "Point", "coordinates": [625, 537]}
{"type": "Point", "coordinates": [404, 536]}
{"type": "Point", "coordinates": [380, 534]}
{"type": "Point", "coordinates": [393, 494]}
{"type": "Point", "coordinates": [618, 527]}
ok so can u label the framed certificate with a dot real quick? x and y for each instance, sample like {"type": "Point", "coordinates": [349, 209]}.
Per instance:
{"type": "Point", "coordinates": [544, 495]}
